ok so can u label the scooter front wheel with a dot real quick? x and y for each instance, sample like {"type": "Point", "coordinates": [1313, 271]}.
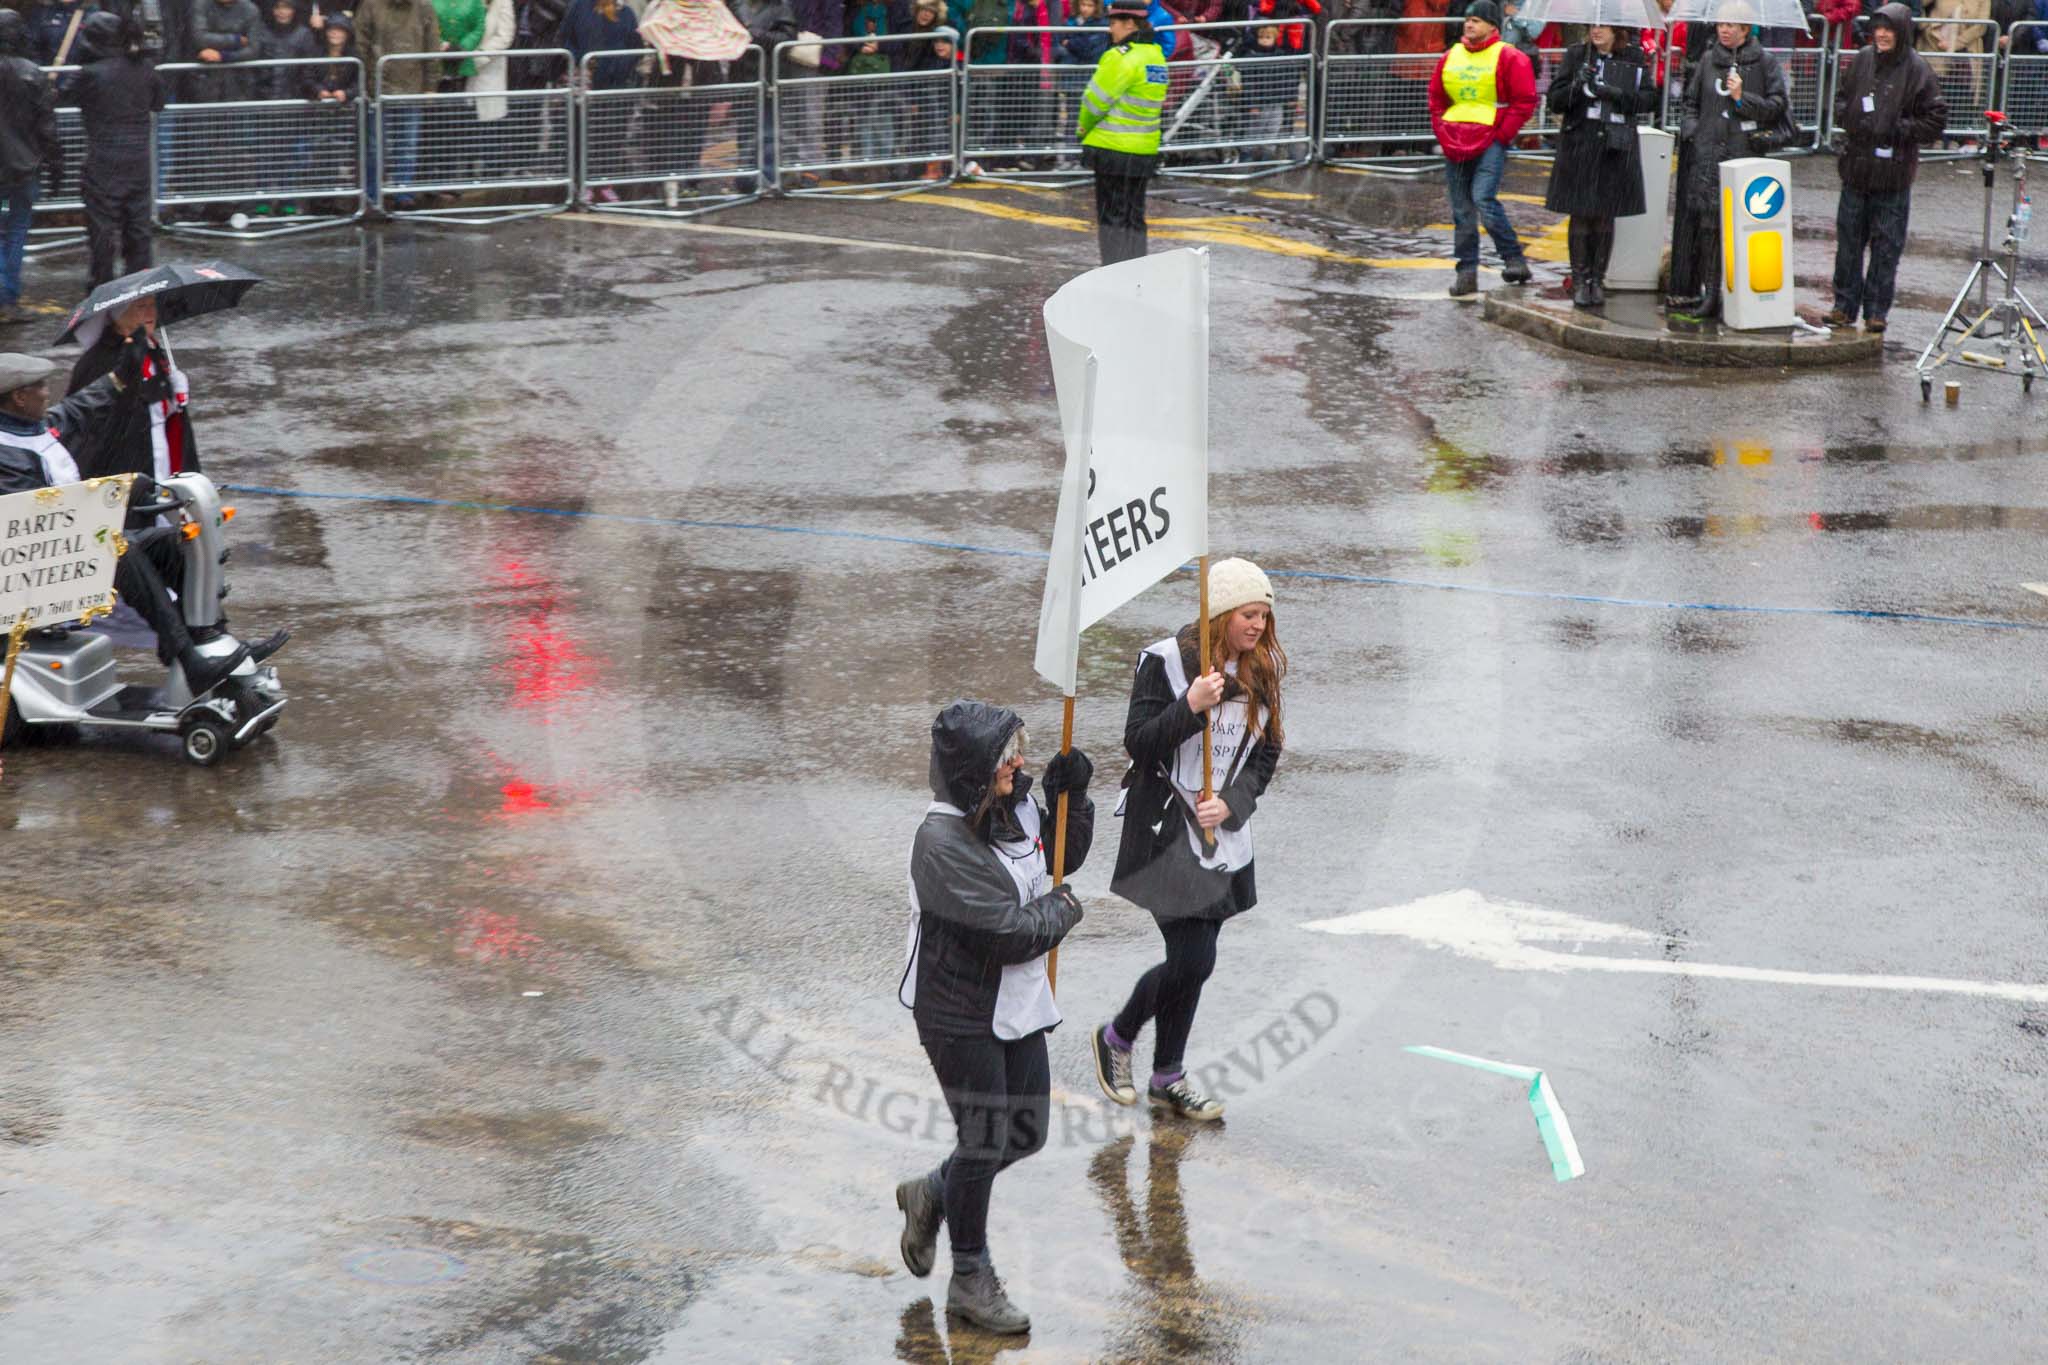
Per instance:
{"type": "Point", "coordinates": [206, 742]}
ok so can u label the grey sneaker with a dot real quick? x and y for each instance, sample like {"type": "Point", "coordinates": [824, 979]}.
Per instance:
{"type": "Point", "coordinates": [924, 1209]}
{"type": "Point", "coordinates": [978, 1297]}
{"type": "Point", "coordinates": [1113, 1069]}
{"type": "Point", "coordinates": [1185, 1101]}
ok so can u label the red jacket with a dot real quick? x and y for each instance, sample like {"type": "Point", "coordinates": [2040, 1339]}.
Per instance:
{"type": "Point", "coordinates": [1514, 87]}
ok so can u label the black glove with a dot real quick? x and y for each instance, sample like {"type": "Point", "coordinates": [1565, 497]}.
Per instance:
{"type": "Point", "coordinates": [128, 369]}
{"type": "Point", "coordinates": [1068, 773]}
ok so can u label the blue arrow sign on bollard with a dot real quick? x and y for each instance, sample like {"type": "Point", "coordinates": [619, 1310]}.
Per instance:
{"type": "Point", "coordinates": [1764, 196]}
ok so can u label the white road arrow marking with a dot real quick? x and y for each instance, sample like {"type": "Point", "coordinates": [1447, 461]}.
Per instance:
{"type": "Point", "coordinates": [2041, 588]}
{"type": "Point", "coordinates": [1508, 935]}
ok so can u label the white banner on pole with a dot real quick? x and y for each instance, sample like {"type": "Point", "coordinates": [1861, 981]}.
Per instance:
{"type": "Point", "coordinates": [1130, 360]}
{"type": "Point", "coordinates": [57, 549]}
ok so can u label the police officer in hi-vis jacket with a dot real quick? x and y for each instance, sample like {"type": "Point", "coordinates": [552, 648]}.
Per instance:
{"type": "Point", "coordinates": [1120, 128]}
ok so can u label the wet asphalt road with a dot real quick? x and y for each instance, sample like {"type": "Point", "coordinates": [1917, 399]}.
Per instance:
{"type": "Point", "coordinates": [527, 995]}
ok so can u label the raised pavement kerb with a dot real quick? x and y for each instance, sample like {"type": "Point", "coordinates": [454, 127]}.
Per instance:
{"type": "Point", "coordinates": [1631, 329]}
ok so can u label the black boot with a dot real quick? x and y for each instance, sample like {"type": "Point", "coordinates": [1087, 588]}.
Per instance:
{"type": "Point", "coordinates": [977, 1295]}
{"type": "Point", "coordinates": [1582, 259]}
{"type": "Point", "coordinates": [202, 674]}
{"type": "Point", "coordinates": [1600, 246]}
{"type": "Point", "coordinates": [1467, 282]}
{"type": "Point", "coordinates": [1515, 271]}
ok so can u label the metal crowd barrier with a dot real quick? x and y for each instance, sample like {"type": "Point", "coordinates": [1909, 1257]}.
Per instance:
{"type": "Point", "coordinates": [1234, 115]}
{"type": "Point", "coordinates": [671, 150]}
{"type": "Point", "coordinates": [296, 158]}
{"type": "Point", "coordinates": [1969, 79]}
{"type": "Point", "coordinates": [1806, 74]}
{"type": "Point", "coordinates": [893, 128]}
{"type": "Point", "coordinates": [1375, 104]}
{"type": "Point", "coordinates": [1019, 121]}
{"type": "Point", "coordinates": [451, 141]}
{"type": "Point", "coordinates": [67, 199]}
{"type": "Point", "coordinates": [1543, 124]}
{"type": "Point", "coordinates": [2024, 97]}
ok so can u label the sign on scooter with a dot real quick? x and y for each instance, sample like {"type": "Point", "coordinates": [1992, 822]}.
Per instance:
{"type": "Point", "coordinates": [57, 550]}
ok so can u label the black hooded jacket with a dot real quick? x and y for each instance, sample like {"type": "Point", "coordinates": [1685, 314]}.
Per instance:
{"type": "Point", "coordinates": [1881, 147]}
{"type": "Point", "coordinates": [970, 924]}
{"type": "Point", "coordinates": [116, 96]}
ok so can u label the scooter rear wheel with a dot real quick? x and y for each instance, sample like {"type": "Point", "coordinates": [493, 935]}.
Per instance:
{"type": "Point", "coordinates": [206, 742]}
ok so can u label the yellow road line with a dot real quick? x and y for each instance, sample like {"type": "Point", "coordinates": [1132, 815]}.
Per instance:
{"type": "Point", "coordinates": [776, 235]}
{"type": "Point", "coordinates": [1225, 230]}
{"type": "Point", "coordinates": [1280, 194]}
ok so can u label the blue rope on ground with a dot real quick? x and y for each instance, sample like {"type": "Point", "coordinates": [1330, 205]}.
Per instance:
{"type": "Point", "coordinates": [921, 542]}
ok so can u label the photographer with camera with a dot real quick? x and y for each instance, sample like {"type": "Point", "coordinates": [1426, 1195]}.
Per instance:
{"type": "Point", "coordinates": [1888, 105]}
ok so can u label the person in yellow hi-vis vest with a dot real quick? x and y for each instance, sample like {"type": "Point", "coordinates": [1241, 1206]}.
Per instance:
{"type": "Point", "coordinates": [1482, 94]}
{"type": "Point", "coordinates": [1120, 114]}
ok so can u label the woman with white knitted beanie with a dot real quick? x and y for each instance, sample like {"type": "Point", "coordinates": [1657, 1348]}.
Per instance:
{"type": "Point", "coordinates": [1164, 863]}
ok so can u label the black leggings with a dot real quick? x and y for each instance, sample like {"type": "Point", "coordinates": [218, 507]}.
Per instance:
{"type": "Point", "coordinates": [1170, 991]}
{"type": "Point", "coordinates": [1000, 1094]}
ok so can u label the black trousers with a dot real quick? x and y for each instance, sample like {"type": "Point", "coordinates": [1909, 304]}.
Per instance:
{"type": "Point", "coordinates": [1876, 222]}
{"type": "Point", "coordinates": [1000, 1094]}
{"type": "Point", "coordinates": [144, 576]}
{"type": "Point", "coordinates": [117, 219]}
{"type": "Point", "coordinates": [1168, 994]}
{"type": "Point", "coordinates": [1119, 215]}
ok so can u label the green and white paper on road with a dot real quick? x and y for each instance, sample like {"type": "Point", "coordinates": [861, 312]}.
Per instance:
{"type": "Point", "coordinates": [1130, 362]}
{"type": "Point", "coordinates": [1551, 1124]}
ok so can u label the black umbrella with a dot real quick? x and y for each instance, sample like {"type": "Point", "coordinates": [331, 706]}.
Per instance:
{"type": "Point", "coordinates": [181, 291]}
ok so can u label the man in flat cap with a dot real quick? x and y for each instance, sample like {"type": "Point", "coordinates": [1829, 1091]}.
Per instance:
{"type": "Point", "coordinates": [35, 452]}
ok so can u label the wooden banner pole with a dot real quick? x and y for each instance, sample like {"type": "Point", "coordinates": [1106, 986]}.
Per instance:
{"type": "Point", "coordinates": [1059, 837]}
{"type": "Point", "coordinates": [1202, 627]}
{"type": "Point", "coordinates": [14, 639]}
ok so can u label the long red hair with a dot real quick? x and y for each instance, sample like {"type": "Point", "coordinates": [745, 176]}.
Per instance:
{"type": "Point", "coordinates": [1259, 672]}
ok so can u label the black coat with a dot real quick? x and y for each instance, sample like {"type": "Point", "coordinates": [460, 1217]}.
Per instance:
{"type": "Point", "coordinates": [1155, 726]}
{"type": "Point", "coordinates": [1717, 129]}
{"type": "Point", "coordinates": [1907, 111]}
{"type": "Point", "coordinates": [123, 444]}
{"type": "Point", "coordinates": [970, 924]}
{"type": "Point", "coordinates": [116, 96]}
{"type": "Point", "coordinates": [293, 42]}
{"type": "Point", "coordinates": [28, 122]}
{"type": "Point", "coordinates": [1592, 176]}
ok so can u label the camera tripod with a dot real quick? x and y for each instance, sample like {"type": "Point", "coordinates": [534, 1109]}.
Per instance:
{"type": "Point", "coordinates": [2009, 322]}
